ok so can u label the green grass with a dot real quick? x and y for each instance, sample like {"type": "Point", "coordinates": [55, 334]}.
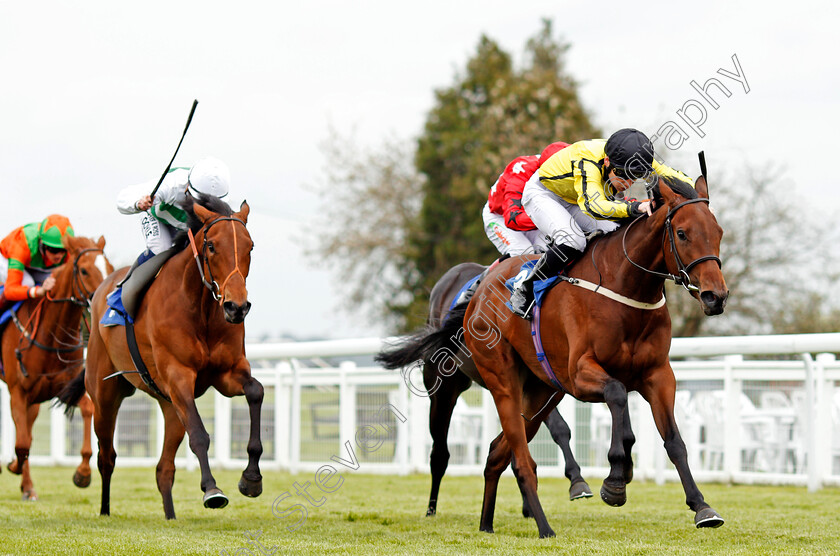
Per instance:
{"type": "Point", "coordinates": [372, 514]}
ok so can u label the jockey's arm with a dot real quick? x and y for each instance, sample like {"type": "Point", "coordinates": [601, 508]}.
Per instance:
{"type": "Point", "coordinates": [591, 196]}
{"type": "Point", "coordinates": [14, 290]}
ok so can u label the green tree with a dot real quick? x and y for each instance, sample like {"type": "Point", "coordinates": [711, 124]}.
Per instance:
{"type": "Point", "coordinates": [493, 113]}
{"type": "Point", "coordinates": [416, 212]}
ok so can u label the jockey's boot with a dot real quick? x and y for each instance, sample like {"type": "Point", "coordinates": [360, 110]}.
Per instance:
{"type": "Point", "coordinates": [552, 262]}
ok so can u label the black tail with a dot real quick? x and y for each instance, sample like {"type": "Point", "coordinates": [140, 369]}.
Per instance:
{"type": "Point", "coordinates": [72, 393]}
{"type": "Point", "coordinates": [423, 344]}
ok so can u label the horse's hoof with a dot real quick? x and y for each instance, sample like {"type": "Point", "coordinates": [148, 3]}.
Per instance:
{"type": "Point", "coordinates": [579, 490]}
{"type": "Point", "coordinates": [29, 496]}
{"type": "Point", "coordinates": [250, 488]}
{"type": "Point", "coordinates": [81, 481]}
{"type": "Point", "coordinates": [526, 512]}
{"type": "Point", "coordinates": [215, 499]}
{"type": "Point", "coordinates": [707, 517]}
{"type": "Point", "coordinates": [484, 529]}
{"type": "Point", "coordinates": [548, 533]}
{"type": "Point", "coordinates": [614, 496]}
{"type": "Point", "coordinates": [431, 512]}
{"type": "Point", "coordinates": [13, 467]}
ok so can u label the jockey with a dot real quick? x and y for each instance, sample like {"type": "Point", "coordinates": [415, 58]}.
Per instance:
{"type": "Point", "coordinates": [29, 254]}
{"type": "Point", "coordinates": [164, 215]}
{"type": "Point", "coordinates": [577, 191]}
{"type": "Point", "coordinates": [505, 222]}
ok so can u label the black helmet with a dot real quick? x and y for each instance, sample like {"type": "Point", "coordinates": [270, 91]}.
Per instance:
{"type": "Point", "coordinates": [631, 151]}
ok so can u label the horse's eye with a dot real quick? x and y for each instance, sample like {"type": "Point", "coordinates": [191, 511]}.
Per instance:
{"type": "Point", "coordinates": [211, 247]}
{"type": "Point", "coordinates": [83, 271]}
{"type": "Point", "coordinates": [681, 235]}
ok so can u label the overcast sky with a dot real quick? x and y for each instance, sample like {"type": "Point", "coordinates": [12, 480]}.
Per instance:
{"type": "Point", "coordinates": [94, 96]}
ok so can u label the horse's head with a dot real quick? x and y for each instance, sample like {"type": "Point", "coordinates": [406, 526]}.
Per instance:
{"type": "Point", "coordinates": [83, 270]}
{"type": "Point", "coordinates": [226, 246]}
{"type": "Point", "coordinates": [692, 242]}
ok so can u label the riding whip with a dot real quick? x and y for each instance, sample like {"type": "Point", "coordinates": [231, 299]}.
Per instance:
{"type": "Point", "coordinates": [168, 166]}
{"type": "Point", "coordinates": [702, 156]}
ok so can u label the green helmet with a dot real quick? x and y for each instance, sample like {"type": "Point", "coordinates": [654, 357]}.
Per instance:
{"type": "Point", "coordinates": [53, 229]}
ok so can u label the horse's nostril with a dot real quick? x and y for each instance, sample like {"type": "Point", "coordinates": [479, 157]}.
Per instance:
{"type": "Point", "coordinates": [230, 306]}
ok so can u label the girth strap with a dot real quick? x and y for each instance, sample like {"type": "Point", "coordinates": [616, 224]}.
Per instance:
{"type": "Point", "coordinates": [134, 351]}
{"type": "Point", "coordinates": [541, 356]}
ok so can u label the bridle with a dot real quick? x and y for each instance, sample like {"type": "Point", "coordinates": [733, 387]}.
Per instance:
{"type": "Point", "coordinates": [682, 278]}
{"type": "Point", "coordinates": [82, 300]}
{"type": "Point", "coordinates": [78, 285]}
{"type": "Point", "coordinates": [212, 284]}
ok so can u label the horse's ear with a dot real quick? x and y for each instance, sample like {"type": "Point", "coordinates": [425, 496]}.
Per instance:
{"type": "Point", "coordinates": [203, 214]}
{"type": "Point", "coordinates": [244, 210]}
{"type": "Point", "coordinates": [702, 187]}
{"type": "Point", "coordinates": [100, 243]}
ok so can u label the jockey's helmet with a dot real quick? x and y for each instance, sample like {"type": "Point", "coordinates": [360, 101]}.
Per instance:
{"type": "Point", "coordinates": [631, 151]}
{"type": "Point", "coordinates": [210, 176]}
{"type": "Point", "coordinates": [53, 229]}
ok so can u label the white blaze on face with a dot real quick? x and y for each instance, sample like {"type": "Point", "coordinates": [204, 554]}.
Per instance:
{"type": "Point", "coordinates": [100, 264]}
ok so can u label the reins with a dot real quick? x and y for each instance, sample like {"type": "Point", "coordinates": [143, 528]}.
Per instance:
{"type": "Point", "coordinates": [682, 279]}
{"type": "Point", "coordinates": [212, 285]}
{"type": "Point", "coordinates": [29, 336]}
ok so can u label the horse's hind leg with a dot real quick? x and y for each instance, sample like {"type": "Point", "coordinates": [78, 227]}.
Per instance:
{"type": "Point", "coordinates": [165, 472]}
{"type": "Point", "coordinates": [81, 478]}
{"type": "Point", "coordinates": [237, 383]}
{"type": "Point", "coordinates": [562, 435]}
{"type": "Point", "coordinates": [440, 416]}
{"type": "Point", "coordinates": [659, 393]}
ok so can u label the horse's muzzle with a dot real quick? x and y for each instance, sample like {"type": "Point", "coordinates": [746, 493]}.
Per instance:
{"type": "Point", "coordinates": [234, 313]}
{"type": "Point", "coordinates": [713, 303]}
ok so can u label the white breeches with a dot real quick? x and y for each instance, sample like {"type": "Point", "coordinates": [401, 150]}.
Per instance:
{"type": "Point", "coordinates": [511, 242]}
{"type": "Point", "coordinates": [563, 221]}
{"type": "Point", "coordinates": [157, 234]}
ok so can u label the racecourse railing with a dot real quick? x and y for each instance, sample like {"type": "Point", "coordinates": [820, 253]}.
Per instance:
{"type": "Point", "coordinates": [745, 417]}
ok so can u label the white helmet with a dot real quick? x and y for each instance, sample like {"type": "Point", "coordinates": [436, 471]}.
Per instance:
{"type": "Point", "coordinates": [210, 176]}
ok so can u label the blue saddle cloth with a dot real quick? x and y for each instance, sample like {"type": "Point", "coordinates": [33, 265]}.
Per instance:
{"type": "Point", "coordinates": [116, 313]}
{"type": "Point", "coordinates": [464, 288]}
{"type": "Point", "coordinates": [7, 314]}
{"type": "Point", "coordinates": [541, 287]}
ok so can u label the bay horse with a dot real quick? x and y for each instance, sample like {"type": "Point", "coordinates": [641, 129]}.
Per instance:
{"type": "Point", "coordinates": [598, 347]}
{"type": "Point", "coordinates": [191, 335]}
{"type": "Point", "coordinates": [445, 384]}
{"type": "Point", "coordinates": [42, 350]}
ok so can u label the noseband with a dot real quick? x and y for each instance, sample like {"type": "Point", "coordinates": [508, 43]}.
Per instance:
{"type": "Point", "coordinates": [681, 279]}
{"type": "Point", "coordinates": [212, 285]}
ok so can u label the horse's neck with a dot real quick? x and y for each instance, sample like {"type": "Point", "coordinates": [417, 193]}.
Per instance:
{"type": "Point", "coordinates": [201, 305]}
{"type": "Point", "coordinates": [644, 246]}
{"type": "Point", "coordinates": [60, 317]}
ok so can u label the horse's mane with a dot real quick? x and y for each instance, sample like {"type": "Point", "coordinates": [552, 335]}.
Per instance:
{"type": "Point", "coordinates": [209, 202]}
{"type": "Point", "coordinates": [676, 185]}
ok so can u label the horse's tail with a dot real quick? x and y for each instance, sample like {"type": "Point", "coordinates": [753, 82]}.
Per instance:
{"type": "Point", "coordinates": [423, 344]}
{"type": "Point", "coordinates": [72, 393]}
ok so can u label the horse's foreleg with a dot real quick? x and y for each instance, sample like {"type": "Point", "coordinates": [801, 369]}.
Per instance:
{"type": "Point", "coordinates": [614, 488]}
{"type": "Point", "coordinates": [659, 392]}
{"type": "Point", "coordinates": [173, 435]}
{"type": "Point", "coordinates": [81, 478]}
{"type": "Point", "coordinates": [24, 416]}
{"type": "Point", "coordinates": [562, 435]}
{"type": "Point", "coordinates": [237, 383]}
{"type": "Point", "coordinates": [442, 402]}
{"type": "Point", "coordinates": [182, 394]}
{"type": "Point", "coordinates": [629, 439]}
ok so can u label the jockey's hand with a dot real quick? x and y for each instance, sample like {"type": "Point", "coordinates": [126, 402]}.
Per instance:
{"type": "Point", "coordinates": [144, 203]}
{"type": "Point", "coordinates": [646, 207]}
{"type": "Point", "coordinates": [49, 283]}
